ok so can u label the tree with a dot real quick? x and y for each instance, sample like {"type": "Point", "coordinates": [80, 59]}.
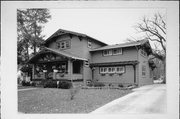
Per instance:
{"type": "Point", "coordinates": [29, 29]}
{"type": "Point", "coordinates": [154, 29]}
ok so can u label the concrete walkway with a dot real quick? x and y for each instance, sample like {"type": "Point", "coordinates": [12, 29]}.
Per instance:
{"type": "Point", "coordinates": [26, 89]}
{"type": "Point", "coordinates": [146, 99]}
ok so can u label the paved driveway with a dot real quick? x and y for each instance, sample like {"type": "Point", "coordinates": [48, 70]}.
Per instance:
{"type": "Point", "coordinates": [146, 99]}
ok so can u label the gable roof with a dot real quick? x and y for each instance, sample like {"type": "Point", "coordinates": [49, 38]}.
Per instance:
{"type": "Point", "coordinates": [129, 44]}
{"type": "Point", "coordinates": [58, 52]}
{"type": "Point", "coordinates": [62, 32]}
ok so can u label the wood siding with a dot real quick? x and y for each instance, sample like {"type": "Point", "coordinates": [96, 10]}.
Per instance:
{"type": "Point", "coordinates": [128, 54]}
{"type": "Point", "coordinates": [126, 78]}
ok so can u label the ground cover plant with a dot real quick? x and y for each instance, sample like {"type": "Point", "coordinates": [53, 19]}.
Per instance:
{"type": "Point", "coordinates": [53, 100]}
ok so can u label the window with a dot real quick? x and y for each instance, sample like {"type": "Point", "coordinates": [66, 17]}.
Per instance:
{"type": "Point", "coordinates": [107, 52]}
{"type": "Point", "coordinates": [89, 44]}
{"type": "Point", "coordinates": [117, 51]}
{"type": "Point", "coordinates": [120, 69]}
{"type": "Point", "coordinates": [112, 52]}
{"type": "Point", "coordinates": [63, 44]}
{"type": "Point", "coordinates": [103, 70]}
{"type": "Point", "coordinates": [111, 70]}
{"type": "Point", "coordinates": [143, 70]}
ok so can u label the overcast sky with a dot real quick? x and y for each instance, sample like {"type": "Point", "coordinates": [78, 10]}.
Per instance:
{"type": "Point", "coordinates": [111, 26]}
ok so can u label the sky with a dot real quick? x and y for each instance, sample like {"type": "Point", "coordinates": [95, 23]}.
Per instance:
{"type": "Point", "coordinates": [112, 26]}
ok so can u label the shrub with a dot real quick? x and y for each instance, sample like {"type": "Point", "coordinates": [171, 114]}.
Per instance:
{"type": "Point", "coordinates": [65, 85]}
{"type": "Point", "coordinates": [90, 83]}
{"type": "Point", "coordinates": [50, 84]}
{"type": "Point", "coordinates": [121, 85]}
{"type": "Point", "coordinates": [98, 84]}
{"type": "Point", "coordinates": [33, 84]}
{"type": "Point", "coordinates": [110, 84]}
{"type": "Point", "coordinates": [24, 83]}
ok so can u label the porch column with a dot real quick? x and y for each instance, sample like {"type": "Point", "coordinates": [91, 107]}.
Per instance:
{"type": "Point", "coordinates": [70, 69]}
{"type": "Point", "coordinates": [134, 67]}
{"type": "Point", "coordinates": [33, 71]}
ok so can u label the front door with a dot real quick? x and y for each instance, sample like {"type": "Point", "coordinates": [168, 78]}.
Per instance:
{"type": "Point", "coordinates": [49, 71]}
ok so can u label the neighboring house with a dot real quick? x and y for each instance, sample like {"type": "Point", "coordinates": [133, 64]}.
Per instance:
{"type": "Point", "coordinates": [68, 55]}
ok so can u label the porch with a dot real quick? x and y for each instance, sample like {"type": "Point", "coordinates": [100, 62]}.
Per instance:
{"type": "Point", "coordinates": [50, 64]}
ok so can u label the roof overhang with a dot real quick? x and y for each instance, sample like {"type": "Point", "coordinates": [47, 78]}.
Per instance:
{"type": "Point", "coordinates": [114, 63]}
{"type": "Point", "coordinates": [57, 52]}
{"type": "Point", "coordinates": [63, 32]}
{"type": "Point", "coordinates": [144, 43]}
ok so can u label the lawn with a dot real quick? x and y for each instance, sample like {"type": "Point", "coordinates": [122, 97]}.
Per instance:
{"type": "Point", "coordinates": [25, 87]}
{"type": "Point", "coordinates": [51, 100]}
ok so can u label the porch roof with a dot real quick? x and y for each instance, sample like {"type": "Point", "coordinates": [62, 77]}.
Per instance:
{"type": "Point", "coordinates": [115, 63]}
{"type": "Point", "coordinates": [58, 52]}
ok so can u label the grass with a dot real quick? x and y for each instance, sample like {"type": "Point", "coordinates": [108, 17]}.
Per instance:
{"type": "Point", "coordinates": [24, 87]}
{"type": "Point", "coordinates": [49, 100]}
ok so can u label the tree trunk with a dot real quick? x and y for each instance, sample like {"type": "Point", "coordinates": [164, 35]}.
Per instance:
{"type": "Point", "coordinates": [27, 54]}
{"type": "Point", "coordinates": [164, 62]}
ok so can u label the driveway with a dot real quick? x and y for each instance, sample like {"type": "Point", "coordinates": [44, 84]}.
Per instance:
{"type": "Point", "coordinates": [146, 99]}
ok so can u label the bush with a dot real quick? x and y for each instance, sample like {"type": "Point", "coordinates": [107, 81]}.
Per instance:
{"type": "Point", "coordinates": [50, 84]}
{"type": "Point", "coordinates": [98, 84]}
{"type": "Point", "coordinates": [24, 83]}
{"type": "Point", "coordinates": [121, 85]}
{"type": "Point", "coordinates": [33, 84]}
{"type": "Point", "coordinates": [90, 83]}
{"type": "Point", "coordinates": [65, 85]}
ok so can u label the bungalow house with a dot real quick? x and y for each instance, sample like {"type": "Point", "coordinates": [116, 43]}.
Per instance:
{"type": "Point", "coordinates": [68, 55]}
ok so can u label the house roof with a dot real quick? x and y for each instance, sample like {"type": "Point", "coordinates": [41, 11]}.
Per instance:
{"type": "Point", "coordinates": [129, 44]}
{"type": "Point", "coordinates": [62, 32]}
{"type": "Point", "coordinates": [115, 63]}
{"type": "Point", "coordinates": [58, 52]}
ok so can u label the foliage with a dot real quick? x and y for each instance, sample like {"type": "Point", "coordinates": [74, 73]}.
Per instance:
{"type": "Point", "coordinates": [24, 83]}
{"type": "Point", "coordinates": [65, 85]}
{"type": "Point", "coordinates": [98, 84]}
{"type": "Point", "coordinates": [121, 85]}
{"type": "Point", "coordinates": [50, 84]}
{"type": "Point", "coordinates": [90, 83]}
{"type": "Point", "coordinates": [29, 28]}
{"type": "Point", "coordinates": [154, 29]}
